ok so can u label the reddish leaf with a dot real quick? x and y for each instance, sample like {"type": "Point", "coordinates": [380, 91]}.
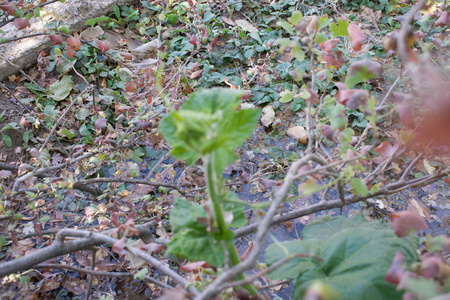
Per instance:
{"type": "Point", "coordinates": [334, 59]}
{"type": "Point", "coordinates": [431, 264]}
{"type": "Point", "coordinates": [193, 40]}
{"type": "Point", "coordinates": [396, 270]}
{"type": "Point", "coordinates": [70, 52]}
{"type": "Point", "coordinates": [37, 228]}
{"type": "Point", "coordinates": [74, 42]}
{"type": "Point", "coordinates": [103, 46]}
{"type": "Point", "coordinates": [21, 23]}
{"type": "Point", "coordinates": [195, 66]}
{"type": "Point", "coordinates": [386, 149]}
{"type": "Point", "coordinates": [14, 238]}
{"type": "Point", "coordinates": [115, 220]}
{"type": "Point", "coordinates": [194, 266]}
{"type": "Point", "coordinates": [101, 123]}
{"type": "Point", "coordinates": [370, 67]}
{"type": "Point", "coordinates": [118, 246]}
{"type": "Point", "coordinates": [353, 98]}
{"type": "Point", "coordinates": [126, 56]}
{"type": "Point", "coordinates": [266, 184]}
{"type": "Point", "coordinates": [407, 221]}
{"type": "Point", "coordinates": [154, 248]}
{"type": "Point", "coordinates": [8, 8]}
{"type": "Point", "coordinates": [443, 19]}
{"type": "Point", "coordinates": [56, 39]}
{"type": "Point", "coordinates": [356, 36]}
{"type": "Point", "coordinates": [141, 124]}
{"type": "Point", "coordinates": [328, 45]}
{"type": "Point", "coordinates": [131, 87]}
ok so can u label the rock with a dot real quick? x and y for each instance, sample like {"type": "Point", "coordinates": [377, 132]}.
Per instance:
{"type": "Point", "coordinates": [73, 13]}
{"type": "Point", "coordinates": [299, 133]}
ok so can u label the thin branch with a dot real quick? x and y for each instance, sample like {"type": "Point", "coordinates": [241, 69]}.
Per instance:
{"type": "Point", "coordinates": [100, 273]}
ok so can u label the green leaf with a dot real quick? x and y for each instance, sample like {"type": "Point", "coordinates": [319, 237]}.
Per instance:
{"type": "Point", "coordinates": [141, 274]}
{"type": "Point", "coordinates": [67, 133]}
{"type": "Point", "coordinates": [116, 12]}
{"type": "Point", "coordinates": [185, 214]}
{"type": "Point", "coordinates": [286, 26]}
{"type": "Point", "coordinates": [7, 139]}
{"type": "Point", "coordinates": [256, 36]}
{"type": "Point", "coordinates": [286, 96]}
{"type": "Point", "coordinates": [298, 53]}
{"type": "Point", "coordinates": [296, 17]}
{"type": "Point", "coordinates": [284, 43]}
{"type": "Point", "coordinates": [423, 287]}
{"type": "Point", "coordinates": [82, 113]}
{"type": "Point", "coordinates": [339, 29]}
{"type": "Point", "coordinates": [196, 244]}
{"type": "Point", "coordinates": [208, 122]}
{"type": "Point", "coordinates": [62, 88]}
{"type": "Point", "coordinates": [2, 240]}
{"type": "Point", "coordinates": [235, 210]}
{"type": "Point", "coordinates": [359, 187]}
{"type": "Point", "coordinates": [356, 254]}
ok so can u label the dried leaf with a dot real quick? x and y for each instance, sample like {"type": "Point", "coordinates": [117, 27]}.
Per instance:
{"type": "Point", "coordinates": [356, 36]}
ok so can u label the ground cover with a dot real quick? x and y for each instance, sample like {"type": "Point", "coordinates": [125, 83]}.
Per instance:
{"type": "Point", "coordinates": [326, 108]}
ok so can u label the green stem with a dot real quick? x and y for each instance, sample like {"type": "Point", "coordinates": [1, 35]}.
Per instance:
{"type": "Point", "coordinates": [215, 195]}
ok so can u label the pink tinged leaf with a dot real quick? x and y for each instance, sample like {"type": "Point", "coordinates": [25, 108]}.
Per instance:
{"type": "Point", "coordinates": [115, 220]}
{"type": "Point", "coordinates": [194, 266]}
{"type": "Point", "coordinates": [328, 132]}
{"type": "Point", "coordinates": [196, 74]}
{"type": "Point", "coordinates": [56, 39]}
{"type": "Point", "coordinates": [313, 98]}
{"type": "Point", "coordinates": [21, 23]}
{"type": "Point", "coordinates": [154, 248]}
{"type": "Point", "coordinates": [443, 20]}
{"type": "Point", "coordinates": [372, 68]}
{"type": "Point", "coordinates": [193, 40]}
{"type": "Point", "coordinates": [409, 296]}
{"type": "Point", "coordinates": [431, 264]}
{"type": "Point", "coordinates": [406, 115]}
{"type": "Point", "coordinates": [74, 42]}
{"type": "Point", "coordinates": [407, 221]}
{"type": "Point", "coordinates": [352, 98]}
{"type": "Point", "coordinates": [70, 52]}
{"type": "Point", "coordinates": [100, 123]}
{"type": "Point", "coordinates": [8, 8]}
{"type": "Point", "coordinates": [126, 56]}
{"type": "Point", "coordinates": [386, 149]}
{"type": "Point", "coordinates": [195, 66]}
{"type": "Point", "coordinates": [396, 270]}
{"type": "Point", "coordinates": [141, 124]}
{"type": "Point", "coordinates": [103, 46]}
{"type": "Point", "coordinates": [328, 45]}
{"type": "Point", "coordinates": [244, 177]}
{"type": "Point", "coordinates": [335, 60]}
{"type": "Point", "coordinates": [340, 86]}
{"type": "Point", "coordinates": [266, 184]}
{"type": "Point", "coordinates": [34, 152]}
{"type": "Point", "coordinates": [356, 36]}
{"type": "Point", "coordinates": [118, 246]}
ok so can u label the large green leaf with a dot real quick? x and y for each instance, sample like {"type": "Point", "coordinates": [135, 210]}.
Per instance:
{"type": "Point", "coordinates": [191, 239]}
{"type": "Point", "coordinates": [356, 254]}
{"type": "Point", "coordinates": [62, 88]}
{"type": "Point", "coordinates": [208, 122]}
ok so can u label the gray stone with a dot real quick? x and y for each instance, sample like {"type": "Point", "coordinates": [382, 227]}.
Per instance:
{"type": "Point", "coordinates": [73, 13]}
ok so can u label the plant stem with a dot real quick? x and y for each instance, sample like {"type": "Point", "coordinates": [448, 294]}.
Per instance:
{"type": "Point", "coordinates": [215, 195]}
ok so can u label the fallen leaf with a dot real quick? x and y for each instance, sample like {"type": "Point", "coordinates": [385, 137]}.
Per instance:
{"type": "Point", "coordinates": [246, 25]}
{"type": "Point", "coordinates": [407, 221]}
{"type": "Point", "coordinates": [298, 133]}
{"type": "Point", "coordinates": [356, 36]}
{"type": "Point", "coordinates": [268, 115]}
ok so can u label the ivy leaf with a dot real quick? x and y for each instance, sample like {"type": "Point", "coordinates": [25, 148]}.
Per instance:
{"type": "Point", "coordinates": [286, 26]}
{"type": "Point", "coordinates": [286, 96]}
{"type": "Point", "coordinates": [356, 253]}
{"type": "Point", "coordinates": [339, 29]}
{"type": "Point", "coordinates": [141, 274]}
{"type": "Point", "coordinates": [62, 88]}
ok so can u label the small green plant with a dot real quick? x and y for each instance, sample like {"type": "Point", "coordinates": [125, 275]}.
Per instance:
{"type": "Point", "coordinates": [208, 126]}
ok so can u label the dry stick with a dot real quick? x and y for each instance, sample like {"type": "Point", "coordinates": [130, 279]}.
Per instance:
{"type": "Point", "coordinates": [213, 289]}
{"type": "Point", "coordinates": [91, 277]}
{"type": "Point", "coordinates": [380, 106]}
{"type": "Point", "coordinates": [129, 180]}
{"type": "Point", "coordinates": [324, 205]}
{"type": "Point", "coordinates": [267, 270]}
{"type": "Point", "coordinates": [57, 249]}
{"type": "Point", "coordinates": [101, 273]}
{"type": "Point", "coordinates": [22, 72]}
{"type": "Point", "coordinates": [101, 238]}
